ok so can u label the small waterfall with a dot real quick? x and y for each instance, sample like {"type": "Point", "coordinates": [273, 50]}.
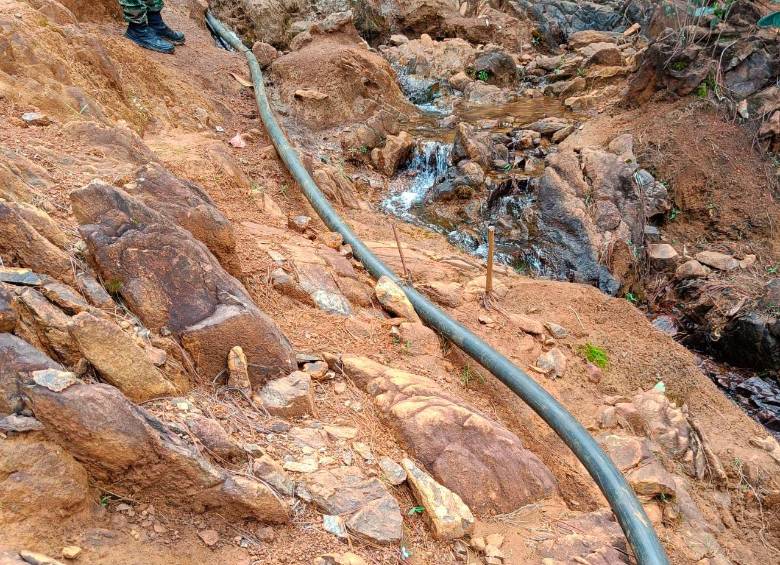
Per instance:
{"type": "Point", "coordinates": [429, 163]}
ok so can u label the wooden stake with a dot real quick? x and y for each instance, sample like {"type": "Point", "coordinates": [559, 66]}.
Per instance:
{"type": "Point", "coordinates": [491, 251]}
{"type": "Point", "coordinates": [401, 253]}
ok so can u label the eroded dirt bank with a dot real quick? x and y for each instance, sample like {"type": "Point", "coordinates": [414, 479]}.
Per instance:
{"type": "Point", "coordinates": [195, 370]}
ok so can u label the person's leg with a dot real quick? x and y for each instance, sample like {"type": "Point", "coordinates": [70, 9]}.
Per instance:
{"type": "Point", "coordinates": [134, 11]}
{"type": "Point", "coordinates": [153, 9]}
{"type": "Point", "coordinates": [136, 14]}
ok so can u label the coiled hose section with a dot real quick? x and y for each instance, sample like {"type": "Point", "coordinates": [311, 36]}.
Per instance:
{"type": "Point", "coordinates": [627, 509]}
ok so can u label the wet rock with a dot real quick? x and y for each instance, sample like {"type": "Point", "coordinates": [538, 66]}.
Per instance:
{"type": "Point", "coordinates": [449, 517]}
{"type": "Point", "coordinates": [8, 316]}
{"type": "Point", "coordinates": [691, 269]}
{"type": "Point", "coordinates": [186, 204]}
{"type": "Point", "coordinates": [118, 359]}
{"type": "Point", "coordinates": [93, 291]}
{"type": "Point", "coordinates": [368, 508]}
{"type": "Point", "coordinates": [197, 300]}
{"type": "Point", "coordinates": [552, 363]}
{"type": "Point", "coordinates": [238, 370]}
{"type": "Point", "coordinates": [453, 439]}
{"type": "Point", "coordinates": [471, 144]}
{"type": "Point", "coordinates": [39, 483]}
{"type": "Point", "coordinates": [472, 172]}
{"type": "Point", "coordinates": [47, 326]}
{"type": "Point", "coordinates": [394, 154]}
{"type": "Point", "coordinates": [213, 437]}
{"type": "Point", "coordinates": [392, 471]}
{"type": "Point", "coordinates": [393, 298]}
{"type": "Point", "coordinates": [548, 126]}
{"type": "Point", "coordinates": [290, 396]}
{"type": "Point", "coordinates": [716, 260]}
{"type": "Point", "coordinates": [264, 53]}
{"type": "Point", "coordinates": [117, 441]}
{"type": "Point", "coordinates": [272, 473]}
{"type": "Point", "coordinates": [21, 244]}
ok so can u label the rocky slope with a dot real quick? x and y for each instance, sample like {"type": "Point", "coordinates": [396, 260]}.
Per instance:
{"type": "Point", "coordinates": [193, 369]}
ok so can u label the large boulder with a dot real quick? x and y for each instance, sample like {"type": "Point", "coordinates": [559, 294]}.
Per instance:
{"type": "Point", "coordinates": [121, 443]}
{"type": "Point", "coordinates": [268, 21]}
{"type": "Point", "coordinates": [18, 359]}
{"type": "Point", "coordinates": [353, 82]}
{"type": "Point", "coordinates": [172, 281]}
{"type": "Point", "coordinates": [453, 440]}
{"type": "Point", "coordinates": [188, 205]}
{"type": "Point", "coordinates": [40, 483]}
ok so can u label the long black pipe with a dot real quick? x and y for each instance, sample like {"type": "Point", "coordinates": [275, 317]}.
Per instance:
{"type": "Point", "coordinates": [629, 511]}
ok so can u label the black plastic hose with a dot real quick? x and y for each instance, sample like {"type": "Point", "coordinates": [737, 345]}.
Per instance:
{"type": "Point", "coordinates": [629, 511]}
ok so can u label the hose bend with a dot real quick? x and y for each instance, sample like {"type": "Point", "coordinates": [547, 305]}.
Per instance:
{"type": "Point", "coordinates": [629, 512]}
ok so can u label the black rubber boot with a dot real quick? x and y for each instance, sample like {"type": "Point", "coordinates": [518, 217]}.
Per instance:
{"type": "Point", "coordinates": [162, 30]}
{"type": "Point", "coordinates": [145, 36]}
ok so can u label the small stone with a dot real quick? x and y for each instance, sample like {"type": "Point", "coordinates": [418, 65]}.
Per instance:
{"type": "Point", "coordinates": [552, 363]}
{"type": "Point", "coordinates": [652, 480]}
{"type": "Point", "coordinates": [479, 544]}
{"type": "Point", "coordinates": [496, 540]}
{"type": "Point", "coordinates": [34, 558]}
{"type": "Point", "coordinates": [340, 387]}
{"type": "Point", "coordinates": [209, 537]}
{"type": "Point", "coordinates": [662, 254]}
{"type": "Point", "coordinates": [237, 141]}
{"type": "Point", "coordinates": [18, 423]}
{"type": "Point", "coordinates": [747, 261]}
{"type": "Point", "coordinates": [264, 53]}
{"type": "Point", "coordinates": [36, 119]}
{"type": "Point", "coordinates": [272, 473]}
{"type": "Point", "coordinates": [289, 397]}
{"type": "Point", "coordinates": [317, 370]}
{"type": "Point", "coordinates": [305, 465]}
{"type": "Point", "coordinates": [558, 332]}
{"type": "Point", "coordinates": [310, 94]}
{"type": "Point", "coordinates": [332, 239]}
{"type": "Point", "coordinates": [334, 525]}
{"type": "Point", "coordinates": [347, 558]}
{"type": "Point", "coordinates": [526, 324]}
{"type": "Point", "coordinates": [392, 471]}
{"type": "Point", "coordinates": [716, 260]}
{"type": "Point", "coordinates": [341, 432]}
{"type": "Point", "coordinates": [393, 298]}
{"type": "Point", "coordinates": [265, 533]}
{"type": "Point", "coordinates": [691, 269]}
{"type": "Point", "coordinates": [363, 450]}
{"type": "Point", "coordinates": [299, 223]}
{"type": "Point", "coordinates": [450, 518]}
{"type": "Point", "coordinates": [398, 39]}
{"type": "Point", "coordinates": [157, 356]}
{"type": "Point", "coordinates": [54, 380]}
{"type": "Point", "coordinates": [14, 275]}
{"type": "Point", "coordinates": [238, 369]}
{"type": "Point", "coordinates": [594, 373]}
{"type": "Point", "coordinates": [71, 551]}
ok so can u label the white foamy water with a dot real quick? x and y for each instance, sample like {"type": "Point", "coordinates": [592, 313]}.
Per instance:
{"type": "Point", "coordinates": [428, 163]}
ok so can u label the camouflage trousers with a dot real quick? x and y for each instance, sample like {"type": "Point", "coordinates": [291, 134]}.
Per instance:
{"type": "Point", "coordinates": [135, 10]}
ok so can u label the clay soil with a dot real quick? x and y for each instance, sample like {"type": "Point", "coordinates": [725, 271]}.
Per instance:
{"type": "Point", "coordinates": [160, 100]}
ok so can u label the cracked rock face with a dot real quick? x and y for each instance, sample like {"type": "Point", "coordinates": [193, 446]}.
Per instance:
{"type": "Point", "coordinates": [172, 281]}
{"type": "Point", "coordinates": [453, 440]}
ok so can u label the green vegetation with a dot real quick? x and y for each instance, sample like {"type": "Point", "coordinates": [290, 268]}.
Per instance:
{"type": "Point", "coordinates": [415, 510]}
{"type": "Point", "coordinates": [113, 286]}
{"type": "Point", "coordinates": [631, 297]}
{"type": "Point", "coordinates": [483, 75]}
{"type": "Point", "coordinates": [679, 66]}
{"type": "Point", "coordinates": [595, 354]}
{"type": "Point", "coordinates": [673, 213]}
{"type": "Point", "coordinates": [467, 375]}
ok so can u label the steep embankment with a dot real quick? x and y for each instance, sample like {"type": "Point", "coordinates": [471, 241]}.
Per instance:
{"type": "Point", "coordinates": [136, 431]}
